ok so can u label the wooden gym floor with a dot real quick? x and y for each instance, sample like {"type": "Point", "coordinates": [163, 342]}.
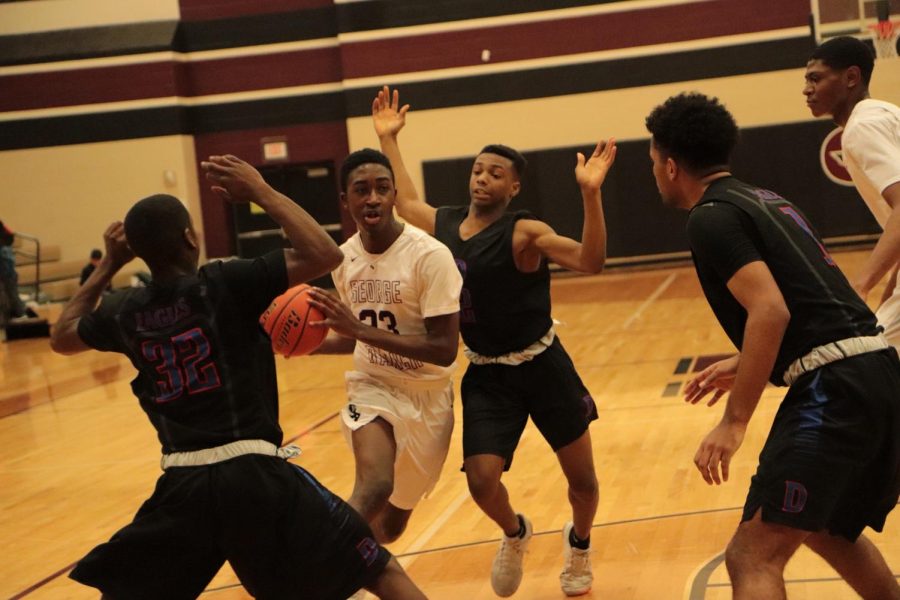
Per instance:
{"type": "Point", "coordinates": [77, 458]}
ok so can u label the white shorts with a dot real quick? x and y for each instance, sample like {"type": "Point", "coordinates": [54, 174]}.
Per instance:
{"type": "Point", "coordinates": [888, 315]}
{"type": "Point", "coordinates": [421, 414]}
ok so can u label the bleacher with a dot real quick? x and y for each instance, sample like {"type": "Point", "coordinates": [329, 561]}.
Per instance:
{"type": "Point", "coordinates": [45, 277]}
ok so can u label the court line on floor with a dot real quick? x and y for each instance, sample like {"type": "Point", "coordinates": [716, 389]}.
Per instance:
{"type": "Point", "coordinates": [646, 304]}
{"type": "Point", "coordinates": [42, 582]}
{"type": "Point", "coordinates": [411, 554]}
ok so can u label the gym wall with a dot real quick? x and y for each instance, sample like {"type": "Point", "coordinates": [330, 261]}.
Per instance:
{"type": "Point", "coordinates": [123, 105]}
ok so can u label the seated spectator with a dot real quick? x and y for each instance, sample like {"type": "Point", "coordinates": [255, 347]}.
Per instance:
{"type": "Point", "coordinates": [11, 305]}
{"type": "Point", "coordinates": [96, 255]}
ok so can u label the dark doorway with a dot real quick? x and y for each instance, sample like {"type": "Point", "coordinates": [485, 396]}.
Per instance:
{"type": "Point", "coordinates": [312, 186]}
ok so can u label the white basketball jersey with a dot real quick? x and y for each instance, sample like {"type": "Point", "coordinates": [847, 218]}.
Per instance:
{"type": "Point", "coordinates": [871, 145]}
{"type": "Point", "coordinates": [397, 290]}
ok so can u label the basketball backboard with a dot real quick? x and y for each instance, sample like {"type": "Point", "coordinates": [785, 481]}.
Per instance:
{"type": "Point", "coordinates": [875, 20]}
{"type": "Point", "coordinates": [831, 18]}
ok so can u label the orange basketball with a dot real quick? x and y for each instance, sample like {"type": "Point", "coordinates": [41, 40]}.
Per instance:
{"type": "Point", "coordinates": [286, 322]}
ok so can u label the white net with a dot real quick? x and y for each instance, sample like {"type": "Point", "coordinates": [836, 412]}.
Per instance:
{"type": "Point", "coordinates": [884, 36]}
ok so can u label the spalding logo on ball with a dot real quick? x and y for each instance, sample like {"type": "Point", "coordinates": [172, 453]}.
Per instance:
{"type": "Point", "coordinates": [286, 322]}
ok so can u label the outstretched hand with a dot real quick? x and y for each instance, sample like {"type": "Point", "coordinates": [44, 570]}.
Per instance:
{"type": "Point", "coordinates": [591, 172]}
{"type": "Point", "coordinates": [717, 378]}
{"type": "Point", "coordinates": [337, 315]}
{"type": "Point", "coordinates": [232, 179]}
{"type": "Point", "coordinates": [387, 114]}
{"type": "Point", "coordinates": [118, 253]}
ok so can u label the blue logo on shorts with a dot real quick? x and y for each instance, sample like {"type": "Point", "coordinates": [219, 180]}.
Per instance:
{"type": "Point", "coordinates": [794, 497]}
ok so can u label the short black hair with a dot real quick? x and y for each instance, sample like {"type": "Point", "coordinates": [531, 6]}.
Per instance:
{"type": "Point", "coordinates": [96, 254]}
{"type": "Point", "coordinates": [512, 154]}
{"type": "Point", "coordinates": [845, 52]}
{"type": "Point", "coordinates": [694, 129]}
{"type": "Point", "coordinates": [154, 228]}
{"type": "Point", "coordinates": [363, 157]}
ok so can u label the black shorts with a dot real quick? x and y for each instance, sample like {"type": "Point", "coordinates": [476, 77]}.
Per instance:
{"type": "Point", "coordinates": [832, 459]}
{"type": "Point", "coordinates": [285, 535]}
{"type": "Point", "coordinates": [498, 399]}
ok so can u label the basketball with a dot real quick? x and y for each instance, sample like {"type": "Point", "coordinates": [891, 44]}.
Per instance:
{"type": "Point", "coordinates": [286, 322]}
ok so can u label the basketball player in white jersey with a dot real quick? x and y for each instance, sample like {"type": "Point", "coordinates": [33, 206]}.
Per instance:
{"type": "Point", "coordinates": [837, 84]}
{"type": "Point", "coordinates": [398, 312]}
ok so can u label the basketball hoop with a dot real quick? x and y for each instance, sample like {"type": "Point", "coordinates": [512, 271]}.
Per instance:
{"type": "Point", "coordinates": [884, 36]}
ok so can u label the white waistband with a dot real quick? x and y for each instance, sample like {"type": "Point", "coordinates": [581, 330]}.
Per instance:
{"type": "Point", "coordinates": [210, 456]}
{"type": "Point", "coordinates": [514, 358]}
{"type": "Point", "coordinates": [822, 355]}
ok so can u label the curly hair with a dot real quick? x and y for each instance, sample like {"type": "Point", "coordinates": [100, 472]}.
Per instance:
{"type": "Point", "coordinates": [844, 52]}
{"type": "Point", "coordinates": [363, 157]}
{"type": "Point", "coordinates": [694, 129]}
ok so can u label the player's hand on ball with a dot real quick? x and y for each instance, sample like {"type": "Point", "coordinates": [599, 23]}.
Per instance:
{"type": "Point", "coordinates": [337, 315]}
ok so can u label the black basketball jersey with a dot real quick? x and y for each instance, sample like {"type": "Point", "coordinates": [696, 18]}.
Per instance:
{"type": "Point", "coordinates": [501, 308]}
{"type": "Point", "coordinates": [206, 372]}
{"type": "Point", "coordinates": [734, 224]}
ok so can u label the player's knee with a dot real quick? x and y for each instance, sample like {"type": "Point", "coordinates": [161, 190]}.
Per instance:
{"type": "Point", "coordinates": [481, 487]}
{"type": "Point", "coordinates": [586, 487]}
{"type": "Point", "coordinates": [744, 558]}
{"type": "Point", "coordinates": [737, 558]}
{"type": "Point", "coordinates": [374, 493]}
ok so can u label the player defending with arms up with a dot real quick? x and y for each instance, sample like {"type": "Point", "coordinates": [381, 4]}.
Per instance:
{"type": "Point", "coordinates": [831, 463]}
{"type": "Point", "coordinates": [206, 379]}
{"type": "Point", "coordinates": [398, 312]}
{"type": "Point", "coordinates": [518, 367]}
{"type": "Point", "coordinates": [837, 84]}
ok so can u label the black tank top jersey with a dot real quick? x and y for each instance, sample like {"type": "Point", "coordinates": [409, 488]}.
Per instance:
{"type": "Point", "coordinates": [501, 308]}
{"type": "Point", "coordinates": [206, 373]}
{"type": "Point", "coordinates": [735, 224]}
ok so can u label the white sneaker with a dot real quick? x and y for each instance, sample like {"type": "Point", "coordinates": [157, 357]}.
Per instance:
{"type": "Point", "coordinates": [506, 572]}
{"type": "Point", "coordinates": [576, 577]}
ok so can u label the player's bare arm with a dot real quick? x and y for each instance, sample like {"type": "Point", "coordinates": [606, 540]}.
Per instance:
{"type": "Point", "coordinates": [886, 255]}
{"type": "Point", "coordinates": [437, 346]}
{"type": "Point", "coordinates": [717, 378]}
{"type": "Point", "coordinates": [388, 118]}
{"type": "Point", "coordinates": [64, 337]}
{"type": "Point", "coordinates": [767, 318]}
{"type": "Point", "coordinates": [313, 252]}
{"type": "Point", "coordinates": [534, 239]}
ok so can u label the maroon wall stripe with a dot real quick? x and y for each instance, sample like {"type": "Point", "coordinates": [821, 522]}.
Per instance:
{"type": "Point", "coordinates": [266, 71]}
{"type": "Point", "coordinates": [201, 10]}
{"type": "Point", "coordinates": [162, 79]}
{"type": "Point", "coordinates": [86, 86]}
{"type": "Point", "coordinates": [313, 142]}
{"type": "Point", "coordinates": [574, 35]}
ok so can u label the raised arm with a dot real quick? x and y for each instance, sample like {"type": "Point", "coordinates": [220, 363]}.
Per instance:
{"type": "Point", "coordinates": [438, 345]}
{"type": "Point", "coordinates": [589, 255]}
{"type": "Point", "coordinates": [767, 319]}
{"type": "Point", "coordinates": [64, 338]}
{"type": "Point", "coordinates": [389, 118]}
{"type": "Point", "coordinates": [313, 253]}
